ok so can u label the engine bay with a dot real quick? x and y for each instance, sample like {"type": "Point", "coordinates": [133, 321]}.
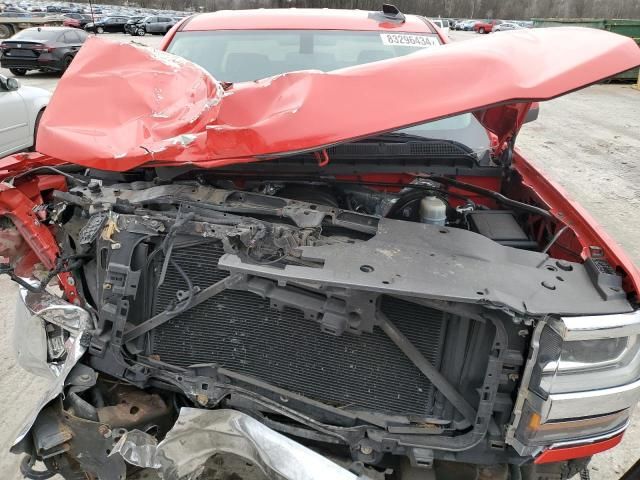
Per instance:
{"type": "Point", "coordinates": [302, 301]}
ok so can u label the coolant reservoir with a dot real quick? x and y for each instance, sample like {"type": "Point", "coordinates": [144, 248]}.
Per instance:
{"type": "Point", "coordinates": [433, 210]}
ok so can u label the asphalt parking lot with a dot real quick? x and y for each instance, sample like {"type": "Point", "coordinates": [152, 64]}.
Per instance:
{"type": "Point", "coordinates": [587, 141]}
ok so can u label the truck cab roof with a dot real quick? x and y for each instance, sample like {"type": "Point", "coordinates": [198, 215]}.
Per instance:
{"type": "Point", "coordinates": [302, 19]}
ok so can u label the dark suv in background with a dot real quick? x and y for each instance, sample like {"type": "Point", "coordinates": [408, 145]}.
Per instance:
{"type": "Point", "coordinates": [108, 24]}
{"type": "Point", "coordinates": [155, 24]}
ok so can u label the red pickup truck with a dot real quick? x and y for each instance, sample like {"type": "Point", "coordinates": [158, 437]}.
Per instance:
{"type": "Point", "coordinates": [486, 26]}
{"type": "Point", "coordinates": [247, 246]}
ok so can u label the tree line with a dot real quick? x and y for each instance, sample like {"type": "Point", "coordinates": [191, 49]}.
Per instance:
{"type": "Point", "coordinates": [500, 9]}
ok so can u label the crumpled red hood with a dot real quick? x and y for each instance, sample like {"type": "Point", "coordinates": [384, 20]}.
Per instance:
{"type": "Point", "coordinates": [120, 106]}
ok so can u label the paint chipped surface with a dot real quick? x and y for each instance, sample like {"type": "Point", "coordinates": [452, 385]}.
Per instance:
{"type": "Point", "coordinates": [389, 252]}
{"type": "Point", "coordinates": [148, 98]}
{"type": "Point", "coordinates": [183, 140]}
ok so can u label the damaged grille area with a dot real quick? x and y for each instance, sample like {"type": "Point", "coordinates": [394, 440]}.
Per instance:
{"type": "Point", "coordinates": [241, 332]}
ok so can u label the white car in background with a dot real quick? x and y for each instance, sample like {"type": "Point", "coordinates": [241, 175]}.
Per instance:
{"type": "Point", "coordinates": [20, 110]}
{"type": "Point", "coordinates": [441, 24]}
{"type": "Point", "coordinates": [504, 26]}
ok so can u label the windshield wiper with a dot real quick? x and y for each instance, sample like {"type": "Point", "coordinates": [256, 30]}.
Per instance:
{"type": "Point", "coordinates": [402, 137]}
{"type": "Point", "coordinates": [398, 137]}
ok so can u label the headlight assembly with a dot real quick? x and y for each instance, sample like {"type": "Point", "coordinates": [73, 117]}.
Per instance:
{"type": "Point", "coordinates": [581, 382]}
{"type": "Point", "coordinates": [533, 431]}
{"type": "Point", "coordinates": [574, 360]}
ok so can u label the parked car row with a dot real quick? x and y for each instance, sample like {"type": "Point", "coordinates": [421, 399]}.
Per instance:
{"type": "Point", "coordinates": [37, 8]}
{"type": "Point", "coordinates": [136, 26]}
{"type": "Point", "coordinates": [52, 49]}
{"type": "Point", "coordinates": [488, 26]}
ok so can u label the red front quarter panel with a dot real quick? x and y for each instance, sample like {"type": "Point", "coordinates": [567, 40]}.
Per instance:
{"type": "Point", "coordinates": [585, 227]}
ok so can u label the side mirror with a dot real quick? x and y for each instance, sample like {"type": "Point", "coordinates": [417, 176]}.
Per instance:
{"type": "Point", "coordinates": [12, 84]}
{"type": "Point", "coordinates": [533, 113]}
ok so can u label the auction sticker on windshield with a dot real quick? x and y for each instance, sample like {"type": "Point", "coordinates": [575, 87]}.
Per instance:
{"type": "Point", "coordinates": [409, 40]}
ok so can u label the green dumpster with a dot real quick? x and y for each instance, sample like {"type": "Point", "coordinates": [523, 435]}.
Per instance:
{"type": "Point", "coordinates": [629, 28]}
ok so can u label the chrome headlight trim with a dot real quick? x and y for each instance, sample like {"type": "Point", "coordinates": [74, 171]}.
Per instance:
{"type": "Point", "coordinates": [593, 402]}
{"type": "Point", "coordinates": [601, 326]}
{"type": "Point", "coordinates": [599, 438]}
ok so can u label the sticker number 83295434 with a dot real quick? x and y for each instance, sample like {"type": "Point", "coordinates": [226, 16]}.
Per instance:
{"type": "Point", "coordinates": [409, 40]}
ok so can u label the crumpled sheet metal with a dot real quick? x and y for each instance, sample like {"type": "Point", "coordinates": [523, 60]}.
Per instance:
{"type": "Point", "coordinates": [122, 101]}
{"type": "Point", "coordinates": [30, 337]}
{"type": "Point", "coordinates": [120, 106]}
{"type": "Point", "coordinates": [199, 434]}
{"type": "Point", "coordinates": [137, 448]}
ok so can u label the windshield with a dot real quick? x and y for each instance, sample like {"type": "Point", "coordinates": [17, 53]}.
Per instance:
{"type": "Point", "coordinates": [247, 55]}
{"type": "Point", "coordinates": [238, 56]}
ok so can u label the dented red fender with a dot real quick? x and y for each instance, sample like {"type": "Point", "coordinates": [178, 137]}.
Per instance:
{"type": "Point", "coordinates": [120, 106]}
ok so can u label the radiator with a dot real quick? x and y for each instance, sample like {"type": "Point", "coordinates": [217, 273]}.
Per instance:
{"type": "Point", "coordinates": [239, 331]}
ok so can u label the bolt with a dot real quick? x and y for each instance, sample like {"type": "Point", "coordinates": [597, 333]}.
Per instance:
{"type": "Point", "coordinates": [202, 399]}
{"type": "Point", "coordinates": [115, 246]}
{"type": "Point", "coordinates": [523, 333]}
{"type": "Point", "coordinates": [366, 449]}
{"type": "Point", "coordinates": [548, 285]}
{"type": "Point", "coordinates": [564, 265]}
{"type": "Point", "coordinates": [85, 377]}
{"type": "Point", "coordinates": [71, 281]}
{"type": "Point", "coordinates": [104, 430]}
{"type": "Point", "coordinates": [94, 186]}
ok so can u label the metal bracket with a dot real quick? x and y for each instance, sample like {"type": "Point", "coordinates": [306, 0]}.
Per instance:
{"type": "Point", "coordinates": [157, 320]}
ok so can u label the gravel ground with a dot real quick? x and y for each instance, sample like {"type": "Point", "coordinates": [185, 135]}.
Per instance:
{"type": "Point", "coordinates": [587, 141]}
